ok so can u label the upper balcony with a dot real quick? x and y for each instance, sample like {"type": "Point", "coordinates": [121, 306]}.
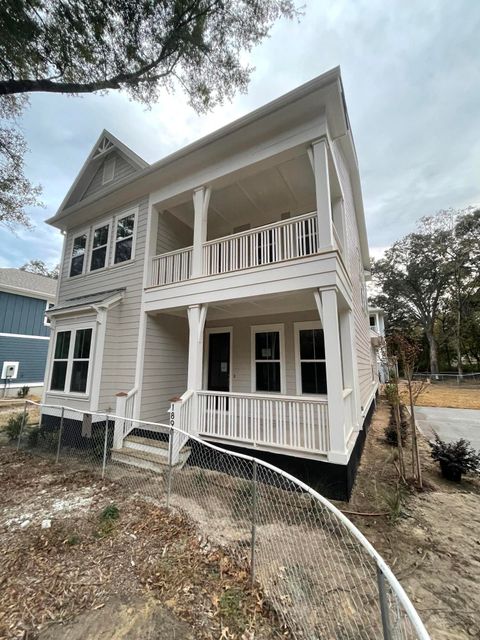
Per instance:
{"type": "Point", "coordinates": [280, 224]}
{"type": "Point", "coordinates": [288, 239]}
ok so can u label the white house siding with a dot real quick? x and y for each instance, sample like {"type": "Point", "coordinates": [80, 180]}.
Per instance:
{"type": "Point", "coordinates": [120, 351]}
{"type": "Point", "coordinates": [122, 170]}
{"type": "Point", "coordinates": [355, 270]}
{"type": "Point", "coordinates": [241, 357]}
{"type": "Point", "coordinates": [165, 365]}
{"type": "Point", "coordinates": [172, 234]}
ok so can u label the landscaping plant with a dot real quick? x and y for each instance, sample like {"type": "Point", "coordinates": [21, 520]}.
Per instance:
{"type": "Point", "coordinates": [14, 426]}
{"type": "Point", "coordinates": [455, 458]}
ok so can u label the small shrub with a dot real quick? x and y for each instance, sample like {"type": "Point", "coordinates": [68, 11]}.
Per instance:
{"type": "Point", "coordinates": [14, 426]}
{"type": "Point", "coordinates": [72, 540]}
{"type": "Point", "coordinates": [390, 432]}
{"type": "Point", "coordinates": [455, 458]}
{"type": "Point", "coordinates": [32, 438]}
{"type": "Point", "coordinates": [394, 498]}
{"type": "Point", "coordinates": [23, 392]}
{"type": "Point", "coordinates": [107, 520]}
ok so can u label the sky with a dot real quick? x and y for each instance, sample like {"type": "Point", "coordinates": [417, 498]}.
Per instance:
{"type": "Point", "coordinates": [411, 75]}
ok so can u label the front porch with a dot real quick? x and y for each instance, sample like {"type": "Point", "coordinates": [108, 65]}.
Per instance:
{"type": "Point", "coordinates": [257, 375]}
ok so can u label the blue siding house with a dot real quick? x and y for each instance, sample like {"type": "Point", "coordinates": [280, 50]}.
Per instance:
{"type": "Point", "coordinates": [24, 331]}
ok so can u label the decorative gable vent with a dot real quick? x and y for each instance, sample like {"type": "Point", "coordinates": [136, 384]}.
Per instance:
{"type": "Point", "coordinates": [108, 170]}
{"type": "Point", "coordinates": [104, 146]}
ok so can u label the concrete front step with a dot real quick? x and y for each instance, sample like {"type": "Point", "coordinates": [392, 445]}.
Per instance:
{"type": "Point", "coordinates": [147, 453]}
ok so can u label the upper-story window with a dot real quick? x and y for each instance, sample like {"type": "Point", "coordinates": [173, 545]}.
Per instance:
{"type": "Point", "coordinates": [372, 321]}
{"type": "Point", "coordinates": [99, 247]}
{"type": "Point", "coordinates": [125, 228]}
{"type": "Point", "coordinates": [77, 263]}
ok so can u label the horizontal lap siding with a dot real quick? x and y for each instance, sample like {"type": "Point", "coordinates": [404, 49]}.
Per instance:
{"type": "Point", "coordinates": [22, 315]}
{"type": "Point", "coordinates": [165, 366]}
{"type": "Point", "coordinates": [362, 334]}
{"type": "Point", "coordinates": [122, 170]}
{"type": "Point", "coordinates": [30, 353]}
{"type": "Point", "coordinates": [242, 349]}
{"type": "Point", "coordinates": [121, 339]}
{"type": "Point", "coordinates": [172, 234]}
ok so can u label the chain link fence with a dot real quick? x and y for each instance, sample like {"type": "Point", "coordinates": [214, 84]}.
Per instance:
{"type": "Point", "coordinates": [317, 570]}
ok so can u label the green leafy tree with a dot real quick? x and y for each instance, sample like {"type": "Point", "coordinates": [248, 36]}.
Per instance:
{"type": "Point", "coordinates": [142, 47]}
{"type": "Point", "coordinates": [39, 267]}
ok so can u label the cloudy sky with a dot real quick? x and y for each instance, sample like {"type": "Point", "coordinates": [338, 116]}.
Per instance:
{"type": "Point", "coordinates": [412, 80]}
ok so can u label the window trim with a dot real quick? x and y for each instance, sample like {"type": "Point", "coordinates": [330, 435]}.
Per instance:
{"type": "Point", "coordinates": [84, 232]}
{"type": "Point", "coordinates": [266, 328]}
{"type": "Point", "coordinates": [99, 225]}
{"type": "Point", "coordinates": [46, 321]}
{"type": "Point", "coordinates": [124, 214]}
{"type": "Point", "coordinates": [297, 327]}
{"type": "Point", "coordinates": [68, 374]}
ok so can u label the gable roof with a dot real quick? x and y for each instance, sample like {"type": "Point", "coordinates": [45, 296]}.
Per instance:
{"type": "Point", "coordinates": [26, 283]}
{"type": "Point", "coordinates": [104, 146]}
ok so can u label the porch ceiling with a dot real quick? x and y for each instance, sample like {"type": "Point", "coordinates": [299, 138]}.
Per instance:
{"type": "Point", "coordinates": [257, 306]}
{"type": "Point", "coordinates": [258, 198]}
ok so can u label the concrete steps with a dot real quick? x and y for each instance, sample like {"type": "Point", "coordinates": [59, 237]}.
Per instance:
{"type": "Point", "coordinates": [147, 453]}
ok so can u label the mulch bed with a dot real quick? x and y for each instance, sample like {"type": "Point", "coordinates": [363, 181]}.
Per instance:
{"type": "Point", "coordinates": [84, 558]}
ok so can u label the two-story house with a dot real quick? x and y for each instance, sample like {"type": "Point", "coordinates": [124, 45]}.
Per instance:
{"type": "Point", "coordinates": [230, 274]}
{"type": "Point", "coordinates": [24, 329]}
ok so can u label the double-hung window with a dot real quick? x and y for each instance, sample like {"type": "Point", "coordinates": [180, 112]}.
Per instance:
{"type": "Point", "coordinates": [311, 364]}
{"type": "Point", "coordinates": [71, 360]}
{"type": "Point", "coordinates": [98, 258]}
{"type": "Point", "coordinates": [267, 347]}
{"type": "Point", "coordinates": [79, 248]}
{"type": "Point", "coordinates": [124, 232]}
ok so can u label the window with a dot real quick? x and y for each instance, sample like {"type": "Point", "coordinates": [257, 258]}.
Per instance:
{"type": "Point", "coordinates": [78, 255]}
{"type": "Point", "coordinates": [311, 364]}
{"type": "Point", "coordinates": [71, 361]}
{"type": "Point", "coordinates": [372, 321]}
{"type": "Point", "coordinates": [124, 238]}
{"type": "Point", "coordinates": [108, 170]}
{"type": "Point", "coordinates": [267, 347]}
{"type": "Point", "coordinates": [98, 258]}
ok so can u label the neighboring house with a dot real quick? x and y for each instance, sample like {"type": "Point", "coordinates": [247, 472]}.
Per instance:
{"type": "Point", "coordinates": [230, 274]}
{"type": "Point", "coordinates": [377, 339]}
{"type": "Point", "coordinates": [24, 329]}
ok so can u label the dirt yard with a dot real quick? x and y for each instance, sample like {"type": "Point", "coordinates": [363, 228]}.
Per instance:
{"type": "Point", "coordinates": [105, 564]}
{"type": "Point", "coordinates": [431, 540]}
{"type": "Point", "coordinates": [454, 397]}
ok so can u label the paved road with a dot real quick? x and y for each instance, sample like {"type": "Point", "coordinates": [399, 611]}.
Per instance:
{"type": "Point", "coordinates": [450, 424]}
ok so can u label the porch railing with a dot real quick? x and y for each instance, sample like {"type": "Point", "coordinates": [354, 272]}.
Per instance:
{"type": "Point", "coordinates": [293, 238]}
{"type": "Point", "coordinates": [171, 267]}
{"type": "Point", "coordinates": [285, 422]}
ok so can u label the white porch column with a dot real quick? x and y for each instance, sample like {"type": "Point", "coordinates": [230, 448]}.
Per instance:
{"type": "Point", "coordinates": [328, 310]}
{"type": "Point", "coordinates": [350, 368]}
{"type": "Point", "coordinates": [197, 314]}
{"type": "Point", "coordinates": [318, 155]}
{"type": "Point", "coordinates": [201, 198]}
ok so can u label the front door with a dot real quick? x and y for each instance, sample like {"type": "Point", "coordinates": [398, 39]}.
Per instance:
{"type": "Point", "coordinates": [219, 362]}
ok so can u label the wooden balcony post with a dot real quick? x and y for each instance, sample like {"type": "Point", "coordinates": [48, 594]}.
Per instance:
{"type": "Point", "coordinates": [318, 155]}
{"type": "Point", "coordinates": [328, 311]}
{"type": "Point", "coordinates": [201, 198]}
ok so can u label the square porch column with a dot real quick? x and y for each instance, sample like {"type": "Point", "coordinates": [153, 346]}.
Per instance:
{"type": "Point", "coordinates": [197, 314]}
{"type": "Point", "coordinates": [328, 310]}
{"type": "Point", "coordinates": [350, 367]}
{"type": "Point", "coordinates": [318, 154]}
{"type": "Point", "coordinates": [201, 199]}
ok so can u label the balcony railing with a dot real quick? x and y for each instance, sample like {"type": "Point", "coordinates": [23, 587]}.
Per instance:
{"type": "Point", "coordinates": [283, 422]}
{"type": "Point", "coordinates": [293, 238]}
{"type": "Point", "coordinates": [174, 266]}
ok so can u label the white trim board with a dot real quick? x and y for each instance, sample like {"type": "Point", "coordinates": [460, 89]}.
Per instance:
{"type": "Point", "coordinates": [22, 335]}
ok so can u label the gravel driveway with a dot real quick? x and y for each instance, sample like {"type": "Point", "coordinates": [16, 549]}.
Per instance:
{"type": "Point", "coordinates": [450, 424]}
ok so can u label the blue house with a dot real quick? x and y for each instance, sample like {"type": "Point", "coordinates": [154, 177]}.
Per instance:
{"type": "Point", "coordinates": [24, 329]}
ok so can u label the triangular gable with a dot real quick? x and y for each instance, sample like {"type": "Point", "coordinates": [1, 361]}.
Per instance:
{"type": "Point", "coordinates": [90, 178]}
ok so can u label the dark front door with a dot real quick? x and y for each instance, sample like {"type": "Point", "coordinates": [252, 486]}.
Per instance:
{"type": "Point", "coordinates": [219, 362]}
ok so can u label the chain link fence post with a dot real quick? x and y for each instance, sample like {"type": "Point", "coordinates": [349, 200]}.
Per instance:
{"type": "Point", "coordinates": [105, 448]}
{"type": "Point", "coordinates": [60, 433]}
{"type": "Point", "coordinates": [382, 593]}
{"type": "Point", "coordinates": [22, 426]}
{"type": "Point", "coordinates": [254, 523]}
{"type": "Point", "coordinates": [169, 476]}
